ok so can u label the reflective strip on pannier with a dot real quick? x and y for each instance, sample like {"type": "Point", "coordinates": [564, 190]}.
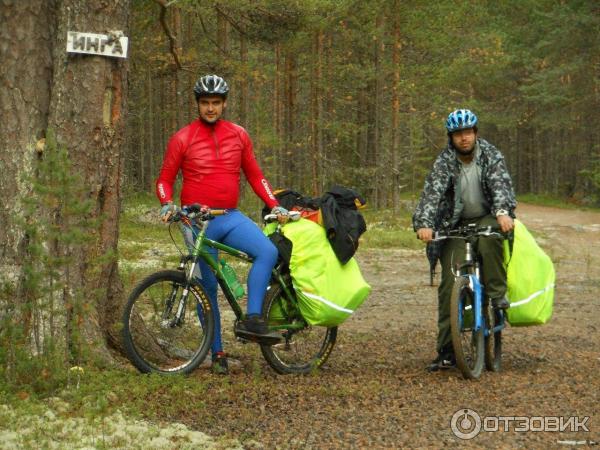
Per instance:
{"type": "Point", "coordinates": [530, 280]}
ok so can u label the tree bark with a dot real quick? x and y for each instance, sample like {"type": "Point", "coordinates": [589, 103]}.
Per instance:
{"type": "Point", "coordinates": [86, 111]}
{"type": "Point", "coordinates": [378, 154]}
{"type": "Point", "coordinates": [27, 34]}
{"type": "Point", "coordinates": [395, 138]}
{"type": "Point", "coordinates": [82, 98]}
{"type": "Point", "coordinates": [289, 127]}
{"type": "Point", "coordinates": [278, 117]}
{"type": "Point", "coordinates": [244, 85]}
{"type": "Point", "coordinates": [316, 132]}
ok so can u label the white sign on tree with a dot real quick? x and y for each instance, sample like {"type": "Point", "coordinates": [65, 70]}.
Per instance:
{"type": "Point", "coordinates": [112, 44]}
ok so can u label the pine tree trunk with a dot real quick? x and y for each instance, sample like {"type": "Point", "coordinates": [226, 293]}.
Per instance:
{"type": "Point", "coordinates": [395, 138]}
{"type": "Point", "coordinates": [289, 127]}
{"type": "Point", "coordinates": [27, 33]}
{"type": "Point", "coordinates": [379, 160]}
{"type": "Point", "coordinates": [316, 134]}
{"type": "Point", "coordinates": [82, 99]}
{"type": "Point", "coordinates": [87, 113]}
{"type": "Point", "coordinates": [244, 85]}
{"type": "Point", "coordinates": [154, 151]}
{"type": "Point", "coordinates": [178, 98]}
{"type": "Point", "coordinates": [278, 117]}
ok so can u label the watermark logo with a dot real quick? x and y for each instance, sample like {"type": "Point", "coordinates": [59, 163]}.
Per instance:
{"type": "Point", "coordinates": [466, 423]}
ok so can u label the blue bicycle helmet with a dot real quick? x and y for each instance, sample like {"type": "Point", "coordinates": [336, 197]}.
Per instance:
{"type": "Point", "coordinates": [461, 119]}
{"type": "Point", "coordinates": [210, 85]}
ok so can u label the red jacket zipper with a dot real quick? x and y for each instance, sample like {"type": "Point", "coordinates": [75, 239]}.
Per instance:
{"type": "Point", "coordinates": [214, 135]}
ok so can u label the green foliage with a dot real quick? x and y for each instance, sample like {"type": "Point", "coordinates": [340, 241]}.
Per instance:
{"type": "Point", "coordinates": [593, 175]}
{"type": "Point", "coordinates": [548, 200]}
{"type": "Point", "coordinates": [389, 229]}
{"type": "Point", "coordinates": [528, 69]}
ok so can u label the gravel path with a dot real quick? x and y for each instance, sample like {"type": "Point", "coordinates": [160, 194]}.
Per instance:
{"type": "Point", "coordinates": [375, 393]}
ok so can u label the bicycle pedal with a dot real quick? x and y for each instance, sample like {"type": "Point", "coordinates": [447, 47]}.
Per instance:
{"type": "Point", "coordinates": [269, 339]}
{"type": "Point", "coordinates": [242, 340]}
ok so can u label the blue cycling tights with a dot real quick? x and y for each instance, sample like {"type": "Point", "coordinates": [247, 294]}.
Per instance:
{"type": "Point", "coordinates": [238, 231]}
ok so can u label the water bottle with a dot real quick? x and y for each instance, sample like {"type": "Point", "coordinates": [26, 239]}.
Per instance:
{"type": "Point", "coordinates": [232, 281]}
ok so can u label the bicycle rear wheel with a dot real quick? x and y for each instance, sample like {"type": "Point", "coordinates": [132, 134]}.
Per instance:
{"type": "Point", "coordinates": [467, 343]}
{"type": "Point", "coordinates": [493, 342]}
{"type": "Point", "coordinates": [301, 350]}
{"type": "Point", "coordinates": [155, 340]}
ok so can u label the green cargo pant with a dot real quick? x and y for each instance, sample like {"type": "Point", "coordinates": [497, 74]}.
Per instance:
{"type": "Point", "coordinates": [493, 274]}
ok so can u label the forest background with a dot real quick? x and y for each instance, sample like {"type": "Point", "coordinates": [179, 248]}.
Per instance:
{"type": "Point", "coordinates": [331, 91]}
{"type": "Point", "coordinates": [356, 93]}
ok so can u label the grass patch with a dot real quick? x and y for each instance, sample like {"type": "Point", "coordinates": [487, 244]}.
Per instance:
{"type": "Point", "coordinates": [145, 245]}
{"type": "Point", "coordinates": [556, 202]}
{"type": "Point", "coordinates": [386, 228]}
{"type": "Point", "coordinates": [96, 392]}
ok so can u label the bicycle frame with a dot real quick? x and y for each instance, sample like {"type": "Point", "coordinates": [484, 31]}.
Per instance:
{"type": "Point", "coordinates": [473, 274]}
{"type": "Point", "coordinates": [200, 252]}
{"type": "Point", "coordinates": [162, 335]}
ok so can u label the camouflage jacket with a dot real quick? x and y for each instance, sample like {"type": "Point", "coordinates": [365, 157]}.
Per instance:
{"type": "Point", "coordinates": [438, 207]}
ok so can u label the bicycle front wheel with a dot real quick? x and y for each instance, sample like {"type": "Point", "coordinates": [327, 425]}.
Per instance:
{"type": "Point", "coordinates": [467, 343]}
{"type": "Point", "coordinates": [493, 342]}
{"type": "Point", "coordinates": [303, 349]}
{"type": "Point", "coordinates": [164, 330]}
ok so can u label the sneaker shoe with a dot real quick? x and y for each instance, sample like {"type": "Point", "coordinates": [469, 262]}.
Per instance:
{"type": "Point", "coordinates": [254, 328]}
{"type": "Point", "coordinates": [444, 361]}
{"type": "Point", "coordinates": [500, 303]}
{"type": "Point", "coordinates": [219, 364]}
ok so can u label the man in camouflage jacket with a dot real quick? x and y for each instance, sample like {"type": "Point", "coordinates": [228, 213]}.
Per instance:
{"type": "Point", "coordinates": [469, 183]}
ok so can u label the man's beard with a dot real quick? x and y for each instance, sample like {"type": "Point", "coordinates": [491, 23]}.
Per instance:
{"type": "Point", "coordinates": [465, 152]}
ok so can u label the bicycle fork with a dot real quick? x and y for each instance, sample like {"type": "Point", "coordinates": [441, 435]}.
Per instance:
{"type": "Point", "coordinates": [475, 286]}
{"type": "Point", "coordinates": [177, 319]}
{"type": "Point", "coordinates": [477, 289]}
{"type": "Point", "coordinates": [473, 274]}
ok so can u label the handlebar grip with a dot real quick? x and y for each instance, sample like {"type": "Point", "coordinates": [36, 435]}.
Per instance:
{"type": "Point", "coordinates": [195, 212]}
{"type": "Point", "coordinates": [293, 216]}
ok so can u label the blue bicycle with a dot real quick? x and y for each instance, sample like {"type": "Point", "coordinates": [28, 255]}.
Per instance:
{"type": "Point", "coordinates": [476, 327]}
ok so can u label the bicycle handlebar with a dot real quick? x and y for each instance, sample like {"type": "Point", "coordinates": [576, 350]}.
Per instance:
{"type": "Point", "coordinates": [196, 211]}
{"type": "Point", "coordinates": [293, 215]}
{"type": "Point", "coordinates": [469, 231]}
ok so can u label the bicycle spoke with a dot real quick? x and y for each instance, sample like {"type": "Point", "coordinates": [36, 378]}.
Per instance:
{"type": "Point", "coordinates": [164, 331]}
{"type": "Point", "coordinates": [301, 351]}
{"type": "Point", "coordinates": [467, 343]}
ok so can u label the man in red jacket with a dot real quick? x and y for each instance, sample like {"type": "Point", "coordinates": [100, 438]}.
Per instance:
{"type": "Point", "coordinates": [211, 153]}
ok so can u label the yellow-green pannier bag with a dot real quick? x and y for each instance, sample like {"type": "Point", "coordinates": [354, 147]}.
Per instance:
{"type": "Point", "coordinates": [530, 280]}
{"type": "Point", "coordinates": [328, 291]}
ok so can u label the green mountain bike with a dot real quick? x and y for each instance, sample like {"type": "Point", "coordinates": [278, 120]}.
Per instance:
{"type": "Point", "coordinates": [168, 323]}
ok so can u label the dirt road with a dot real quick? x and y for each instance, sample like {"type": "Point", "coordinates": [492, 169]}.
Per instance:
{"type": "Point", "coordinates": [375, 393]}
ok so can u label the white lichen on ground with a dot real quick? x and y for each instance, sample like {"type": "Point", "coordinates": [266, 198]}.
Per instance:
{"type": "Point", "coordinates": [55, 427]}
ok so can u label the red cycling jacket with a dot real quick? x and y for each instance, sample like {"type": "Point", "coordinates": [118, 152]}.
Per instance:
{"type": "Point", "coordinates": [210, 157]}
